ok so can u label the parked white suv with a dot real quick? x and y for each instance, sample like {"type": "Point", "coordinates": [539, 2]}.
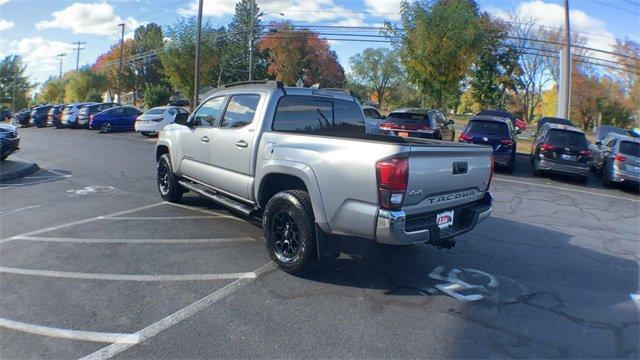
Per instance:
{"type": "Point", "coordinates": [154, 120]}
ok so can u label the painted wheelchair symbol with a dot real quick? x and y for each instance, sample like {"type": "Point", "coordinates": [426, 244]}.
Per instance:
{"type": "Point", "coordinates": [453, 285]}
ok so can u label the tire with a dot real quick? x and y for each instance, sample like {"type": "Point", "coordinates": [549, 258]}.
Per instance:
{"type": "Point", "coordinates": [144, 133]}
{"type": "Point", "coordinates": [606, 179]}
{"type": "Point", "coordinates": [167, 181]}
{"type": "Point", "coordinates": [106, 127]}
{"type": "Point", "coordinates": [289, 228]}
{"type": "Point", "coordinates": [583, 179]}
{"type": "Point", "coordinates": [536, 171]}
{"type": "Point", "coordinates": [4, 157]}
{"type": "Point", "coordinates": [512, 165]}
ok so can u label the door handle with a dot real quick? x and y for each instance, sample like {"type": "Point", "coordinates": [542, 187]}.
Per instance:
{"type": "Point", "coordinates": [242, 144]}
{"type": "Point", "coordinates": [204, 139]}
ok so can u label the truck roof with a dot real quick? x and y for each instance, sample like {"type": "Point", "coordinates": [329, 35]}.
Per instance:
{"type": "Point", "coordinates": [273, 86]}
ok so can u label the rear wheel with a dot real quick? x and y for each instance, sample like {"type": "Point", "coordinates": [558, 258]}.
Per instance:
{"type": "Point", "coordinates": [512, 164]}
{"type": "Point", "coordinates": [168, 185]}
{"type": "Point", "coordinates": [288, 226]}
{"type": "Point", "coordinates": [536, 168]}
{"type": "Point", "coordinates": [606, 176]}
{"type": "Point", "coordinates": [144, 133]}
{"type": "Point", "coordinates": [106, 127]}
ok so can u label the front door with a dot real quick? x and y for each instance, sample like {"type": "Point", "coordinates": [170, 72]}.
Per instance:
{"type": "Point", "coordinates": [196, 142]}
{"type": "Point", "coordinates": [231, 151]}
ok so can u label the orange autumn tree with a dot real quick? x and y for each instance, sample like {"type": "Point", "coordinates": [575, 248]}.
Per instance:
{"type": "Point", "coordinates": [300, 54]}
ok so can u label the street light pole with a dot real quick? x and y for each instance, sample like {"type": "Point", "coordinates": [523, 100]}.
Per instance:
{"type": "Point", "coordinates": [567, 88]}
{"type": "Point", "coordinates": [253, 9]}
{"type": "Point", "coordinates": [196, 77]}
{"type": "Point", "coordinates": [60, 57]}
{"type": "Point", "coordinates": [121, 57]}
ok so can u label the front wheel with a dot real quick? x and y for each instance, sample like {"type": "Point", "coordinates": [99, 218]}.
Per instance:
{"type": "Point", "coordinates": [106, 127]}
{"type": "Point", "coordinates": [168, 185]}
{"type": "Point", "coordinates": [288, 225]}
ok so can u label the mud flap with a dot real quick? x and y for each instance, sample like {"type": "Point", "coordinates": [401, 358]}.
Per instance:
{"type": "Point", "coordinates": [328, 246]}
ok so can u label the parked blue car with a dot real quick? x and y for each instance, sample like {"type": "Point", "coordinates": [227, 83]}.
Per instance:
{"type": "Point", "coordinates": [499, 133]}
{"type": "Point", "coordinates": [39, 115]}
{"type": "Point", "coordinates": [117, 118]}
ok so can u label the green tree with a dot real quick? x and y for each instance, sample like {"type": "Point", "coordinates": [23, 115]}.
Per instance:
{"type": "Point", "coordinates": [235, 60]}
{"type": "Point", "coordinates": [85, 85]}
{"type": "Point", "coordinates": [147, 40]}
{"type": "Point", "coordinates": [493, 73]}
{"type": "Point", "coordinates": [178, 58]}
{"type": "Point", "coordinates": [13, 77]}
{"type": "Point", "coordinates": [439, 44]}
{"type": "Point", "coordinates": [379, 69]}
{"type": "Point", "coordinates": [156, 95]}
{"type": "Point", "coordinates": [53, 90]}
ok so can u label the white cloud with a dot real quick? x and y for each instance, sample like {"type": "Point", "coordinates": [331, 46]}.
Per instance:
{"type": "Point", "coordinates": [6, 25]}
{"type": "Point", "coordinates": [39, 55]}
{"type": "Point", "coordinates": [551, 15]}
{"type": "Point", "coordinates": [2, 2]}
{"type": "Point", "coordinates": [294, 10]}
{"type": "Point", "coordinates": [88, 18]}
{"type": "Point", "coordinates": [389, 9]}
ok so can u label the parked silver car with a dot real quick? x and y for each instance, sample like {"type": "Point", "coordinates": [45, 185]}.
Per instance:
{"type": "Point", "coordinates": [617, 159]}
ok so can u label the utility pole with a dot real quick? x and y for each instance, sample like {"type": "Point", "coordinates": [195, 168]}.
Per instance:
{"type": "Point", "coordinates": [61, 58]}
{"type": "Point", "coordinates": [253, 9]}
{"type": "Point", "coordinates": [121, 56]}
{"type": "Point", "coordinates": [196, 77]}
{"type": "Point", "coordinates": [78, 47]}
{"type": "Point", "coordinates": [567, 87]}
{"type": "Point", "coordinates": [13, 97]}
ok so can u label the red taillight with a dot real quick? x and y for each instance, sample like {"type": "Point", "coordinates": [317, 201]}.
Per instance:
{"type": "Point", "coordinates": [546, 147]}
{"type": "Point", "coordinates": [386, 126]}
{"type": "Point", "coordinates": [465, 137]}
{"type": "Point", "coordinates": [506, 142]}
{"type": "Point", "coordinates": [619, 158]}
{"type": "Point", "coordinates": [585, 153]}
{"type": "Point", "coordinates": [392, 175]}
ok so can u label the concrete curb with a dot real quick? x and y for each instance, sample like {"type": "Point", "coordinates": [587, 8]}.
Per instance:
{"type": "Point", "coordinates": [11, 170]}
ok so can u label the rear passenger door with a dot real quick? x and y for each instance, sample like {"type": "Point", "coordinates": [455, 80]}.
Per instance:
{"type": "Point", "coordinates": [232, 148]}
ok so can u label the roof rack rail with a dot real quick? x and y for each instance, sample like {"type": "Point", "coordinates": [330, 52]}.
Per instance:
{"type": "Point", "coordinates": [274, 84]}
{"type": "Point", "coordinates": [338, 90]}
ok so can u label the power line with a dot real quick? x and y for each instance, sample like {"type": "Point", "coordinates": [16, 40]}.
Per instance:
{"type": "Point", "coordinates": [616, 7]}
{"type": "Point", "coordinates": [77, 48]}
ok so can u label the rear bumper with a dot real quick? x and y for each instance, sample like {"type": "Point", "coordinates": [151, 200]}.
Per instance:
{"type": "Point", "coordinates": [565, 168]}
{"type": "Point", "coordinates": [392, 226]}
{"type": "Point", "coordinates": [624, 176]}
{"type": "Point", "coordinates": [152, 127]}
{"type": "Point", "coordinates": [502, 158]}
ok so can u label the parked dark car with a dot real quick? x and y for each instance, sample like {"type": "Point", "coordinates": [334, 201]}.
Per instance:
{"type": "Point", "coordinates": [5, 115]}
{"type": "Point", "coordinates": [39, 116]}
{"type": "Point", "coordinates": [117, 118]}
{"type": "Point", "coordinates": [55, 115]}
{"type": "Point", "coordinates": [9, 140]}
{"type": "Point", "coordinates": [23, 117]}
{"type": "Point", "coordinates": [516, 121]}
{"type": "Point", "coordinates": [617, 159]}
{"type": "Point", "coordinates": [418, 123]}
{"type": "Point", "coordinates": [86, 111]}
{"type": "Point", "coordinates": [561, 149]}
{"type": "Point", "coordinates": [181, 103]}
{"type": "Point", "coordinates": [497, 132]}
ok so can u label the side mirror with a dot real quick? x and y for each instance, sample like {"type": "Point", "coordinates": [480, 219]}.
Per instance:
{"type": "Point", "coordinates": [598, 143]}
{"type": "Point", "coordinates": [518, 132]}
{"type": "Point", "coordinates": [181, 119]}
{"type": "Point", "coordinates": [450, 122]}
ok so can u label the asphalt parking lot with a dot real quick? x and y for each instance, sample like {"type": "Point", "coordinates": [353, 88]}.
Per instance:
{"type": "Point", "coordinates": [93, 264]}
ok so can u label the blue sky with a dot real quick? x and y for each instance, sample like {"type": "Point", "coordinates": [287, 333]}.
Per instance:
{"type": "Point", "coordinates": [38, 30]}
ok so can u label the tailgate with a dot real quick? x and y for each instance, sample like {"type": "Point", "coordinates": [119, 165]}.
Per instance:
{"type": "Point", "coordinates": [446, 176]}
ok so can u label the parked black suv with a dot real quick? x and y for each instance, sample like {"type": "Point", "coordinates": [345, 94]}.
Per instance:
{"type": "Point", "coordinates": [561, 149]}
{"type": "Point", "coordinates": [84, 115]}
{"type": "Point", "coordinates": [418, 123]}
{"type": "Point", "coordinates": [497, 132]}
{"type": "Point", "coordinates": [23, 117]}
{"type": "Point", "coordinates": [55, 114]}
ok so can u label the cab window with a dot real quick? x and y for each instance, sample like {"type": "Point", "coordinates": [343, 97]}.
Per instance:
{"type": "Point", "coordinates": [208, 113]}
{"type": "Point", "coordinates": [240, 111]}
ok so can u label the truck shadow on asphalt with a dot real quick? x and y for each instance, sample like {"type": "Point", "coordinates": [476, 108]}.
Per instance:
{"type": "Point", "coordinates": [524, 282]}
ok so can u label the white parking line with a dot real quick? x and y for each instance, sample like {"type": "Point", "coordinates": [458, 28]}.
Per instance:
{"type": "Point", "coordinates": [127, 277]}
{"type": "Point", "coordinates": [564, 188]}
{"type": "Point", "coordinates": [94, 336]}
{"type": "Point", "coordinates": [132, 241]}
{"type": "Point", "coordinates": [160, 217]}
{"type": "Point", "coordinates": [69, 224]}
{"type": "Point", "coordinates": [8, 212]}
{"type": "Point", "coordinates": [179, 316]}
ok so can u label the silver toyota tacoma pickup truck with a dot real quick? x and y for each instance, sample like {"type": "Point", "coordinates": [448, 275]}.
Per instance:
{"type": "Point", "coordinates": [300, 159]}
